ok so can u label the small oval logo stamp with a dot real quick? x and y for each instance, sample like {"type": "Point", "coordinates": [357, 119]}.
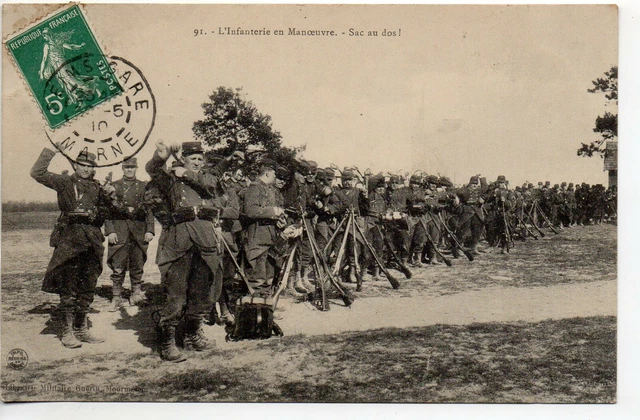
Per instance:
{"type": "Point", "coordinates": [17, 359]}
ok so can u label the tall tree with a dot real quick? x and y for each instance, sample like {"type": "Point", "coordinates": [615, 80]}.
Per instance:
{"type": "Point", "coordinates": [607, 124]}
{"type": "Point", "coordinates": [232, 122]}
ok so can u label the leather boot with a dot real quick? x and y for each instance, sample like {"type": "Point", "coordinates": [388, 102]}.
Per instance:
{"type": "Point", "coordinates": [168, 349]}
{"type": "Point", "coordinates": [415, 259]}
{"type": "Point", "coordinates": [67, 338]}
{"type": "Point", "coordinates": [116, 302]}
{"type": "Point", "coordinates": [376, 273]}
{"type": "Point", "coordinates": [299, 286]}
{"type": "Point", "coordinates": [291, 285]}
{"type": "Point", "coordinates": [136, 295]}
{"type": "Point", "coordinates": [306, 282]}
{"type": "Point", "coordinates": [226, 317]}
{"type": "Point", "coordinates": [82, 330]}
{"type": "Point", "coordinates": [194, 338]}
{"type": "Point", "coordinates": [353, 278]}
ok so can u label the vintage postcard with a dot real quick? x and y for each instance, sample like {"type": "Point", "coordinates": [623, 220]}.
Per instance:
{"type": "Point", "coordinates": [309, 203]}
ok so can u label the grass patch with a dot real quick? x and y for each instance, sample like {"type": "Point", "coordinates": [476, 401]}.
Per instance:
{"type": "Point", "coordinates": [565, 361]}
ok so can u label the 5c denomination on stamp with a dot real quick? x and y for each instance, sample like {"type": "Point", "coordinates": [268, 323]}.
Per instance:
{"type": "Point", "coordinates": [60, 61]}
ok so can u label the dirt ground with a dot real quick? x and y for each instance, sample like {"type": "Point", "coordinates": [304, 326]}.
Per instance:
{"type": "Point", "coordinates": [537, 325]}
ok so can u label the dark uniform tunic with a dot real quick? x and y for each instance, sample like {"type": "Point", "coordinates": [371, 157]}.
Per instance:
{"type": "Point", "coordinates": [434, 201]}
{"type": "Point", "coordinates": [500, 203]}
{"type": "Point", "coordinates": [189, 253]}
{"type": "Point", "coordinates": [398, 229]}
{"type": "Point", "coordinates": [261, 234]}
{"type": "Point", "coordinates": [326, 219]}
{"type": "Point", "coordinates": [470, 216]}
{"type": "Point", "coordinates": [77, 239]}
{"type": "Point", "coordinates": [377, 209]}
{"type": "Point", "coordinates": [417, 209]}
{"type": "Point", "coordinates": [352, 199]}
{"type": "Point", "coordinates": [130, 225]}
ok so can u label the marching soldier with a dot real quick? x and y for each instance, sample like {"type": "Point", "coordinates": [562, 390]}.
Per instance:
{"type": "Point", "coordinates": [190, 256]}
{"type": "Point", "coordinates": [129, 234]}
{"type": "Point", "coordinates": [77, 240]}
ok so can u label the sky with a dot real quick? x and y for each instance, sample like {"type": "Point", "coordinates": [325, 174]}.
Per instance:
{"type": "Point", "coordinates": [464, 90]}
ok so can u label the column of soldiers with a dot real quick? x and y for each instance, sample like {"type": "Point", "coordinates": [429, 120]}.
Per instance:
{"type": "Point", "coordinates": [227, 229]}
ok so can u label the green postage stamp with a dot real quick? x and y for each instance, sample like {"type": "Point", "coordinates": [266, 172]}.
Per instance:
{"type": "Point", "coordinates": [64, 66]}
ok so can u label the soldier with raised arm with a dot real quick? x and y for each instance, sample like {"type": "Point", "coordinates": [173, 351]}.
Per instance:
{"type": "Point", "coordinates": [77, 240]}
{"type": "Point", "coordinates": [190, 255]}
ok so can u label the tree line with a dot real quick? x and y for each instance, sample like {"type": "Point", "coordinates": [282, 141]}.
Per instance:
{"type": "Point", "coordinates": [27, 206]}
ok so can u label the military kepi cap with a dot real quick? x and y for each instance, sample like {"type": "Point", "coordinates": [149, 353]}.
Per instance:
{"type": "Point", "coordinates": [282, 172]}
{"type": "Point", "coordinates": [348, 174]}
{"type": "Point", "coordinates": [86, 158]}
{"type": "Point", "coordinates": [303, 167]}
{"type": "Point", "coordinates": [268, 163]}
{"type": "Point", "coordinates": [432, 179]}
{"type": "Point", "coordinates": [130, 163]}
{"type": "Point", "coordinates": [330, 174]}
{"type": "Point", "coordinates": [502, 178]}
{"type": "Point", "coordinates": [321, 174]}
{"type": "Point", "coordinates": [192, 148]}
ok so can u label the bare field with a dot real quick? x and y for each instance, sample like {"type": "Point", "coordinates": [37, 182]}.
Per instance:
{"type": "Point", "coordinates": [537, 325]}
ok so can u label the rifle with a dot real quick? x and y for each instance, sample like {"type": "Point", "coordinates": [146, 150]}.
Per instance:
{"type": "Point", "coordinates": [346, 296]}
{"type": "Point", "coordinates": [507, 234]}
{"type": "Point", "coordinates": [343, 244]}
{"type": "Point", "coordinates": [405, 270]}
{"type": "Point", "coordinates": [355, 253]}
{"type": "Point", "coordinates": [335, 234]}
{"type": "Point", "coordinates": [530, 219]}
{"type": "Point", "coordinates": [526, 228]}
{"type": "Point", "coordinates": [109, 179]}
{"type": "Point", "coordinates": [446, 260]}
{"type": "Point", "coordinates": [466, 253]}
{"type": "Point", "coordinates": [394, 282]}
{"type": "Point", "coordinates": [293, 212]}
{"type": "Point", "coordinates": [544, 216]}
{"type": "Point", "coordinates": [235, 262]}
{"type": "Point", "coordinates": [285, 276]}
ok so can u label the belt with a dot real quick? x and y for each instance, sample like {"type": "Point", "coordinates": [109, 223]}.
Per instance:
{"type": "Point", "coordinates": [189, 214]}
{"type": "Point", "coordinates": [83, 219]}
{"type": "Point", "coordinates": [136, 218]}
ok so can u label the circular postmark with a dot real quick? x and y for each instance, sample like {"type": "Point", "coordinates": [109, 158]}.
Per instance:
{"type": "Point", "coordinates": [17, 359]}
{"type": "Point", "coordinates": [117, 129]}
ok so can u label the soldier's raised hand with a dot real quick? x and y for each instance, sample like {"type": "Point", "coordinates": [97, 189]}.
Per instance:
{"type": "Point", "coordinates": [237, 156]}
{"type": "Point", "coordinates": [109, 189]}
{"type": "Point", "coordinates": [162, 150]}
{"type": "Point", "coordinates": [113, 238]}
{"type": "Point", "coordinates": [179, 171]}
